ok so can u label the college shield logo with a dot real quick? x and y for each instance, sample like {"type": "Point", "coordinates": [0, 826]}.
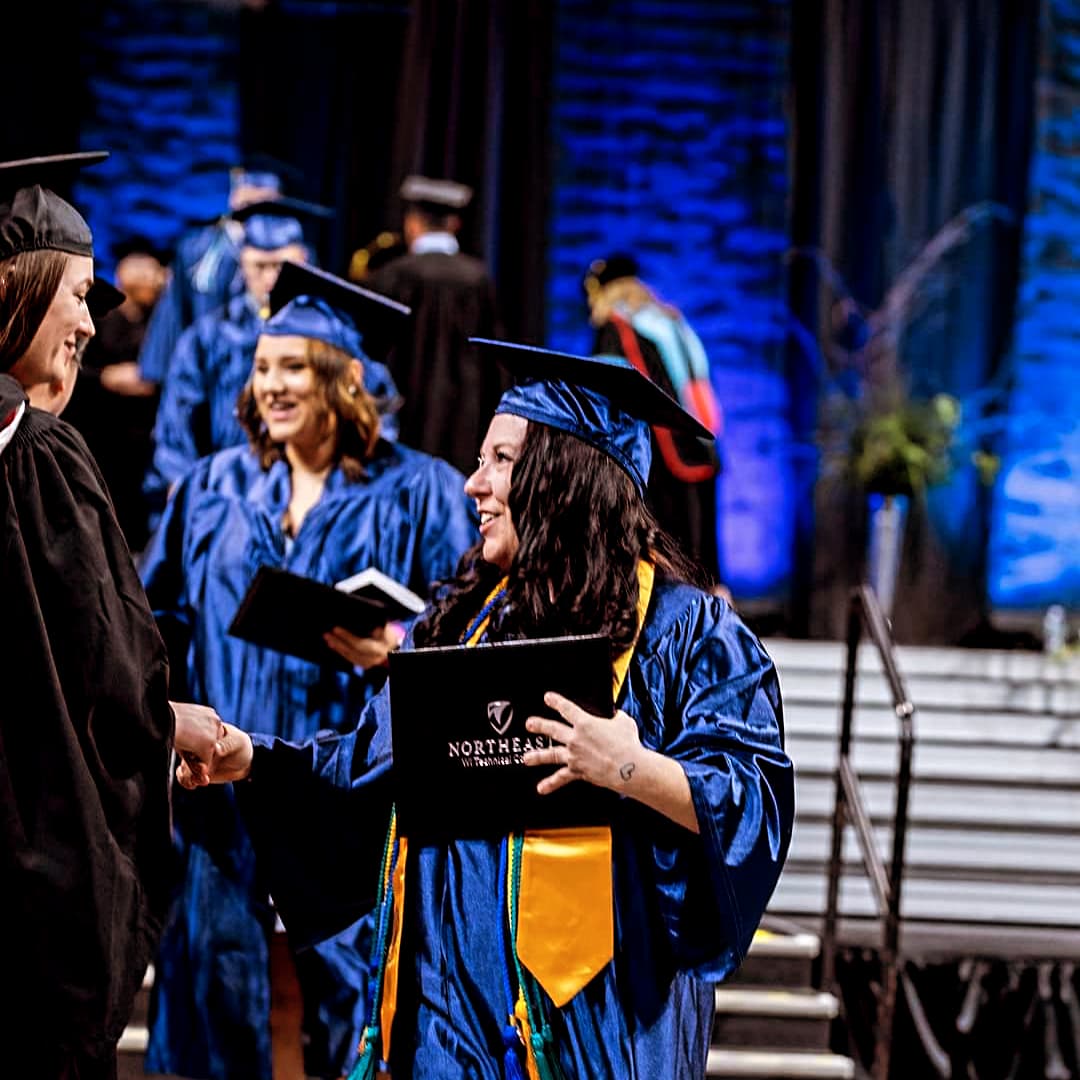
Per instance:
{"type": "Point", "coordinates": [500, 715]}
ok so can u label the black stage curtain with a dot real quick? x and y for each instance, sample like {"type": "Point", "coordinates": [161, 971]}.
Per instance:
{"type": "Point", "coordinates": [361, 94]}
{"type": "Point", "coordinates": [43, 67]}
{"type": "Point", "coordinates": [904, 114]}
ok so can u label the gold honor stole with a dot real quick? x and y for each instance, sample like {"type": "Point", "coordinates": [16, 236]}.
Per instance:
{"type": "Point", "coordinates": [566, 921]}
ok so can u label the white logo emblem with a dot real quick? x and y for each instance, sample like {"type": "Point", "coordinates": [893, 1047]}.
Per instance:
{"type": "Point", "coordinates": [500, 715]}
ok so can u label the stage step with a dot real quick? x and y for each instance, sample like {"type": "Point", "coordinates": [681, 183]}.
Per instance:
{"type": "Point", "coordinates": [781, 1018]}
{"type": "Point", "coordinates": [777, 1065]}
{"type": "Point", "coordinates": [770, 1003]}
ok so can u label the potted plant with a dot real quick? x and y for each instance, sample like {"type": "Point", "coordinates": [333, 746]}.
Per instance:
{"type": "Point", "coordinates": [886, 442]}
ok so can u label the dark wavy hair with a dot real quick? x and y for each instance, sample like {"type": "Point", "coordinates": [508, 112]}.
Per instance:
{"type": "Point", "coordinates": [582, 527]}
{"type": "Point", "coordinates": [357, 415]}
{"type": "Point", "coordinates": [28, 283]}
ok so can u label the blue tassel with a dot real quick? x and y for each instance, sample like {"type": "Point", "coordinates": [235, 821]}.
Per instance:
{"type": "Point", "coordinates": [512, 1066]}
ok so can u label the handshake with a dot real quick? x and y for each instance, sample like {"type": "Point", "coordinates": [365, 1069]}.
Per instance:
{"type": "Point", "coordinates": [211, 751]}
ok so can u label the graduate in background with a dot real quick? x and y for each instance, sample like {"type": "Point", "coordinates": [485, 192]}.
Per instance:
{"type": "Point", "coordinates": [448, 393]}
{"type": "Point", "coordinates": [318, 492]}
{"type": "Point", "coordinates": [212, 359]}
{"type": "Point", "coordinates": [205, 269]}
{"type": "Point", "coordinates": [633, 322]}
{"type": "Point", "coordinates": [492, 978]}
{"type": "Point", "coordinates": [86, 859]}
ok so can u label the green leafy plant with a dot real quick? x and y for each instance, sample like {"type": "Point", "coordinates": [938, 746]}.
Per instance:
{"type": "Point", "coordinates": [906, 449]}
{"type": "Point", "coordinates": [872, 429]}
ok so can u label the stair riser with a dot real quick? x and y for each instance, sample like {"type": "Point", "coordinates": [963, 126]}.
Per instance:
{"type": "Point", "coordinates": [735, 1030]}
{"type": "Point", "coordinates": [789, 971]}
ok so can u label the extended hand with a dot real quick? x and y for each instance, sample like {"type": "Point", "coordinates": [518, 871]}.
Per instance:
{"type": "Point", "coordinates": [603, 751]}
{"type": "Point", "coordinates": [197, 729]}
{"type": "Point", "coordinates": [230, 760]}
{"type": "Point", "coordinates": [365, 652]}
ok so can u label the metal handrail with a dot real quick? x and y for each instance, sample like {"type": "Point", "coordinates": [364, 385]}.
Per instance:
{"type": "Point", "coordinates": [850, 808]}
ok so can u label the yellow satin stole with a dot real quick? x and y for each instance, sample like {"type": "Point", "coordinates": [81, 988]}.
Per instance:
{"type": "Point", "coordinates": [566, 917]}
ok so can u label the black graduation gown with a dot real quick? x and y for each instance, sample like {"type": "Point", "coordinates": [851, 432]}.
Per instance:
{"type": "Point", "coordinates": [449, 392]}
{"type": "Point", "coordinates": [86, 863]}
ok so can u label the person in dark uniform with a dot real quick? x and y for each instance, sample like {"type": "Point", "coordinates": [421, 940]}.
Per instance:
{"type": "Point", "coordinates": [631, 321]}
{"type": "Point", "coordinates": [86, 727]}
{"type": "Point", "coordinates": [448, 393]}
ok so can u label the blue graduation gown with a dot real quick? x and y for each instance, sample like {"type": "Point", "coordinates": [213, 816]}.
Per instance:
{"type": "Point", "coordinates": [205, 276]}
{"type": "Point", "coordinates": [703, 691]}
{"type": "Point", "coordinates": [410, 518]}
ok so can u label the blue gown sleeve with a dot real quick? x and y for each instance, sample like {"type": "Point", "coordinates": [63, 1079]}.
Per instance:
{"type": "Point", "coordinates": [318, 814]}
{"type": "Point", "coordinates": [722, 691]}
{"type": "Point", "coordinates": [183, 398]}
{"type": "Point", "coordinates": [162, 334]}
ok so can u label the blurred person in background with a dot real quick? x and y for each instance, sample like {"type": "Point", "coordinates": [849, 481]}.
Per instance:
{"type": "Point", "coordinates": [448, 392]}
{"type": "Point", "coordinates": [113, 406]}
{"type": "Point", "coordinates": [205, 268]}
{"type": "Point", "coordinates": [632, 321]}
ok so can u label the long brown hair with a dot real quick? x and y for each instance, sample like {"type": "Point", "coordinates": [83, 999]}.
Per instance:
{"type": "Point", "coordinates": [582, 527]}
{"type": "Point", "coordinates": [28, 283]}
{"type": "Point", "coordinates": [354, 407]}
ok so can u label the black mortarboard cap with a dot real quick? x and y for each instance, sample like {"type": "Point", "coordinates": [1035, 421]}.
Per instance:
{"type": "Point", "coordinates": [139, 245]}
{"type": "Point", "coordinates": [603, 271]}
{"type": "Point", "coordinates": [32, 216]}
{"type": "Point", "coordinates": [102, 298]}
{"type": "Point", "coordinates": [309, 302]}
{"type": "Point", "coordinates": [603, 400]}
{"type": "Point", "coordinates": [443, 196]}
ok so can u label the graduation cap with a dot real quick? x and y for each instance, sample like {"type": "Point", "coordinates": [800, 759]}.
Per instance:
{"type": "Point", "coordinates": [102, 297]}
{"type": "Point", "coordinates": [438, 196]}
{"type": "Point", "coordinates": [259, 170]}
{"type": "Point", "coordinates": [139, 245]}
{"type": "Point", "coordinates": [32, 216]}
{"type": "Point", "coordinates": [277, 223]}
{"type": "Point", "coordinates": [311, 303]}
{"type": "Point", "coordinates": [603, 271]}
{"type": "Point", "coordinates": [603, 400]}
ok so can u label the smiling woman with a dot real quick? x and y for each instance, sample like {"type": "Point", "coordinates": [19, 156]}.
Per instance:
{"type": "Point", "coordinates": [49, 365]}
{"type": "Point", "coordinates": [85, 726]}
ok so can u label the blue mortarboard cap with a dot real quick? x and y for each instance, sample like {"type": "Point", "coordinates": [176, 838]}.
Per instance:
{"type": "Point", "coordinates": [603, 400]}
{"type": "Point", "coordinates": [32, 216]}
{"type": "Point", "coordinates": [260, 170]}
{"type": "Point", "coordinates": [308, 302]}
{"type": "Point", "coordinates": [277, 223]}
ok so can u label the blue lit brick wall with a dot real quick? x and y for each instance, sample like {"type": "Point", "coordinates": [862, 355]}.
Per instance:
{"type": "Point", "coordinates": [1035, 528]}
{"type": "Point", "coordinates": [164, 101]}
{"type": "Point", "coordinates": [671, 143]}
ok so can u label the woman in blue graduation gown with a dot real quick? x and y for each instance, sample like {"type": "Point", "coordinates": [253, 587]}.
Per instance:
{"type": "Point", "coordinates": [318, 493]}
{"type": "Point", "coordinates": [695, 845]}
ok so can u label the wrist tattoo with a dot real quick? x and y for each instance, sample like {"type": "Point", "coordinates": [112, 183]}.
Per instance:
{"type": "Point", "coordinates": [627, 770]}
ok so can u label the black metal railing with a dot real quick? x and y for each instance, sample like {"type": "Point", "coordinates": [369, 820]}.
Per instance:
{"type": "Point", "coordinates": [850, 808]}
